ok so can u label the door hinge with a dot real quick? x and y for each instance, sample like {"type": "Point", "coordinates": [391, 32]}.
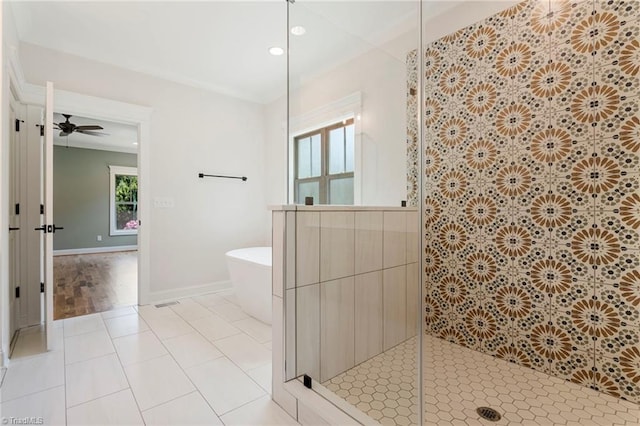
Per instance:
{"type": "Point", "coordinates": [17, 292]}
{"type": "Point", "coordinates": [41, 208]}
{"type": "Point", "coordinates": [41, 287]}
{"type": "Point", "coordinates": [17, 124]}
{"type": "Point", "coordinates": [42, 130]}
{"type": "Point", "coordinates": [17, 208]}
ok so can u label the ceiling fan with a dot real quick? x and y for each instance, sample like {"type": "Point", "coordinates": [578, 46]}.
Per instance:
{"type": "Point", "coordinates": [67, 128]}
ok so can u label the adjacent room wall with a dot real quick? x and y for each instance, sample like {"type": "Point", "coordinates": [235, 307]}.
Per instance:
{"type": "Point", "coordinates": [531, 190]}
{"type": "Point", "coordinates": [192, 131]}
{"type": "Point", "coordinates": [81, 197]}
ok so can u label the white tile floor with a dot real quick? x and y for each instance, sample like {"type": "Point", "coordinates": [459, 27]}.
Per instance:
{"type": "Point", "coordinates": [202, 361]}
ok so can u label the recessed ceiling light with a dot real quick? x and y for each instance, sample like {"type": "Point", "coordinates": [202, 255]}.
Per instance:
{"type": "Point", "coordinates": [135, 143]}
{"type": "Point", "coordinates": [298, 30]}
{"type": "Point", "coordinates": [276, 51]}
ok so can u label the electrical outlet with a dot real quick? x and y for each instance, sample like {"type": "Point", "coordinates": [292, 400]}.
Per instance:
{"type": "Point", "coordinates": [163, 203]}
{"type": "Point", "coordinates": [98, 237]}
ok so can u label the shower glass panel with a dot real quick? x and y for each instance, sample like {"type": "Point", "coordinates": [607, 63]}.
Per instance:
{"type": "Point", "coordinates": [353, 301]}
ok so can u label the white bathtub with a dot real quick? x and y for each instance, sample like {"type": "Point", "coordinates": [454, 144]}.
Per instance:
{"type": "Point", "coordinates": [250, 271]}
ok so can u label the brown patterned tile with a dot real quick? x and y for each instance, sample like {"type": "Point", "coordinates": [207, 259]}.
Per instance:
{"type": "Point", "coordinates": [623, 300]}
{"type": "Point", "coordinates": [568, 361]}
{"type": "Point", "coordinates": [622, 119]}
{"type": "Point", "coordinates": [534, 205]}
{"type": "Point", "coordinates": [629, 10]}
{"type": "Point", "coordinates": [498, 343]}
{"type": "Point", "coordinates": [523, 345]}
{"type": "Point", "coordinates": [564, 54]}
{"type": "Point", "coordinates": [567, 320]}
{"type": "Point", "coordinates": [624, 236]}
{"type": "Point", "coordinates": [570, 17]}
{"type": "Point", "coordinates": [619, 374]}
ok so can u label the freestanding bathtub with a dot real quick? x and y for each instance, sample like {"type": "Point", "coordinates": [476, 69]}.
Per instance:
{"type": "Point", "coordinates": [250, 271]}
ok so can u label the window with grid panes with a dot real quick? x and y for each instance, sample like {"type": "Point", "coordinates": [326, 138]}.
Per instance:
{"type": "Point", "coordinates": [324, 164]}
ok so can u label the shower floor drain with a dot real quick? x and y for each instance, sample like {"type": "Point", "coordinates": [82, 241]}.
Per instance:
{"type": "Point", "coordinates": [488, 413]}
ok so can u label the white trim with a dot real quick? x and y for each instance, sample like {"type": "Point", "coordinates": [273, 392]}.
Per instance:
{"type": "Point", "coordinates": [326, 115]}
{"type": "Point", "coordinates": [180, 293]}
{"type": "Point", "coordinates": [91, 250]}
{"type": "Point", "coordinates": [123, 170]}
{"type": "Point", "coordinates": [89, 106]}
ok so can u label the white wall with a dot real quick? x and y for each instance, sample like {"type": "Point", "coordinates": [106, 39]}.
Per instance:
{"type": "Point", "coordinates": [191, 131]}
{"type": "Point", "coordinates": [381, 79]}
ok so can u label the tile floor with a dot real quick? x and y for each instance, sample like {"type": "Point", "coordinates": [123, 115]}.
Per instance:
{"type": "Point", "coordinates": [458, 380]}
{"type": "Point", "coordinates": [202, 361]}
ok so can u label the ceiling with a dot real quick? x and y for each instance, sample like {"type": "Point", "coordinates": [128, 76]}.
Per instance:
{"type": "Point", "coordinates": [119, 137]}
{"type": "Point", "coordinates": [219, 45]}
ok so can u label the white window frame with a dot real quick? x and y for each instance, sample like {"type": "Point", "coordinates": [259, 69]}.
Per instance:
{"type": "Point", "coordinates": [113, 171]}
{"type": "Point", "coordinates": [349, 107]}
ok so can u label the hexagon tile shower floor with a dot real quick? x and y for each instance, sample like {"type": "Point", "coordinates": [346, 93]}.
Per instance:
{"type": "Point", "coordinates": [459, 380]}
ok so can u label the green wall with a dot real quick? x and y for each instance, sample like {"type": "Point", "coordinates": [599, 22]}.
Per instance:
{"type": "Point", "coordinates": [81, 197]}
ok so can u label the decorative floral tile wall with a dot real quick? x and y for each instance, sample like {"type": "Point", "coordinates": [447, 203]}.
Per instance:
{"type": "Point", "coordinates": [532, 188]}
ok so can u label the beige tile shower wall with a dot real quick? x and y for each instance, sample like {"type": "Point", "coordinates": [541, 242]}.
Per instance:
{"type": "Point", "coordinates": [337, 251]}
{"type": "Point", "coordinates": [352, 296]}
{"type": "Point", "coordinates": [394, 296]}
{"type": "Point", "coordinates": [531, 191]}
{"type": "Point", "coordinates": [307, 246]}
{"type": "Point", "coordinates": [368, 315]}
{"type": "Point", "coordinates": [368, 240]}
{"type": "Point", "coordinates": [337, 327]}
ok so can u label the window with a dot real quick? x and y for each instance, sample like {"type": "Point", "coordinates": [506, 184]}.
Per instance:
{"type": "Point", "coordinates": [324, 164]}
{"type": "Point", "coordinates": [123, 203]}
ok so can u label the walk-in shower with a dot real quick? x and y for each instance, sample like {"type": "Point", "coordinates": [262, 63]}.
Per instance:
{"type": "Point", "coordinates": [508, 288]}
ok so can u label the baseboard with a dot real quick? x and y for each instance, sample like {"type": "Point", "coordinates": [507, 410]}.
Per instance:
{"type": "Point", "coordinates": [91, 250]}
{"type": "Point", "coordinates": [163, 296]}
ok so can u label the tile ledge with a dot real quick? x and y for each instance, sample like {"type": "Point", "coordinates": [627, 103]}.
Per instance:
{"type": "Point", "coordinates": [327, 405]}
{"type": "Point", "coordinates": [324, 207]}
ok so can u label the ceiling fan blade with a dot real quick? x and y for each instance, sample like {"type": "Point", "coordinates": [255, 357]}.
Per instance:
{"type": "Point", "coordinates": [89, 127]}
{"type": "Point", "coordinates": [92, 133]}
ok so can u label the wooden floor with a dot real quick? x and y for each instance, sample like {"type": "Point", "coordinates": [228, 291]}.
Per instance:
{"type": "Point", "coordinates": [90, 283]}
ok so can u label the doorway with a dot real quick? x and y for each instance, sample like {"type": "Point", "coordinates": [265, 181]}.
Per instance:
{"type": "Point", "coordinates": [25, 313]}
{"type": "Point", "coordinates": [95, 195]}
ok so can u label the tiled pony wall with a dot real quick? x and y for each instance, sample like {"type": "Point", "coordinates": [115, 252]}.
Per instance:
{"type": "Point", "coordinates": [531, 190]}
